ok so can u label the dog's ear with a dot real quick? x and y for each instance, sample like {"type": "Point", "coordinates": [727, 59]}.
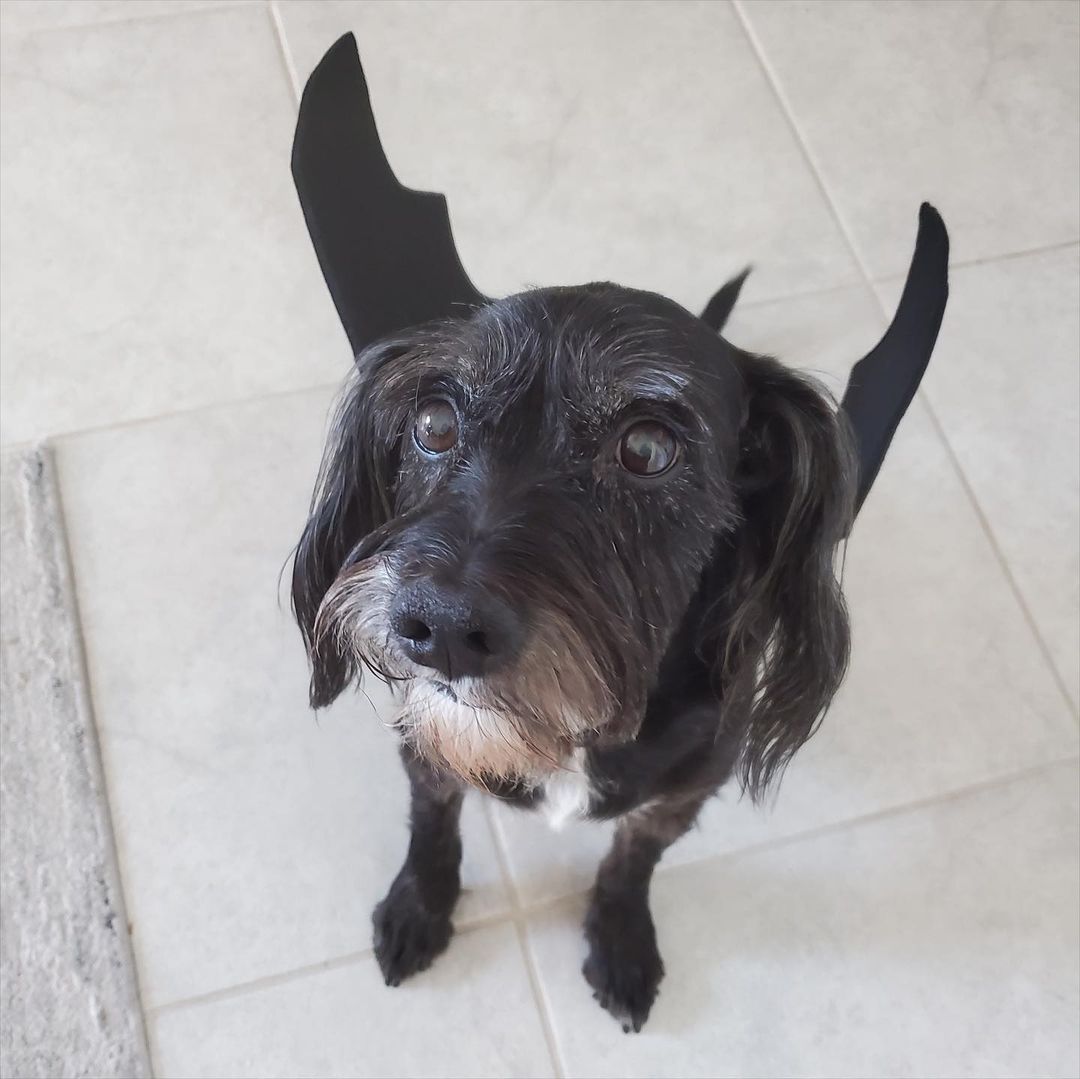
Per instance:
{"type": "Point", "coordinates": [352, 499]}
{"type": "Point", "coordinates": [778, 625]}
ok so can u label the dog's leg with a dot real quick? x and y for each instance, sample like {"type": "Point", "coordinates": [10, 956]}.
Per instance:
{"type": "Point", "coordinates": [412, 924]}
{"type": "Point", "coordinates": [624, 966]}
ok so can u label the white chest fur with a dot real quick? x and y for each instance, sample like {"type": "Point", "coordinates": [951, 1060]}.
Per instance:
{"type": "Point", "coordinates": [567, 792]}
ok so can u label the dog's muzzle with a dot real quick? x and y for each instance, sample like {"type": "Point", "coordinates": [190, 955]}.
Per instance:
{"type": "Point", "coordinates": [484, 690]}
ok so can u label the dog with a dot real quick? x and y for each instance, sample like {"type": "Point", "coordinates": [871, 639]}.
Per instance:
{"type": "Point", "coordinates": [591, 544]}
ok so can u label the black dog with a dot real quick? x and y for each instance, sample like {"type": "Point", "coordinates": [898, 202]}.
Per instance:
{"type": "Point", "coordinates": [592, 544]}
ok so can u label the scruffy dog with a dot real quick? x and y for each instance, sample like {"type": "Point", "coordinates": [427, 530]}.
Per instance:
{"type": "Point", "coordinates": [591, 544]}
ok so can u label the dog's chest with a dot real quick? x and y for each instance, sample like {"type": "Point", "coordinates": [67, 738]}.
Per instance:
{"type": "Point", "coordinates": [568, 792]}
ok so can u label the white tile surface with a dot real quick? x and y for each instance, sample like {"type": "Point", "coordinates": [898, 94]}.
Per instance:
{"type": "Point", "coordinates": [941, 941]}
{"type": "Point", "coordinates": [974, 106]}
{"type": "Point", "coordinates": [631, 142]}
{"type": "Point", "coordinates": [472, 1014]}
{"type": "Point", "coordinates": [947, 687]}
{"type": "Point", "coordinates": [253, 840]}
{"type": "Point", "coordinates": [1005, 383]}
{"type": "Point", "coordinates": [154, 254]}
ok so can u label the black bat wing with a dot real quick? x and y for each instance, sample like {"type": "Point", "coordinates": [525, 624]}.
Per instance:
{"type": "Point", "coordinates": [386, 251]}
{"type": "Point", "coordinates": [883, 383]}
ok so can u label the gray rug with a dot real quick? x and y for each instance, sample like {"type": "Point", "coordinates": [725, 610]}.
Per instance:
{"type": "Point", "coordinates": [68, 997]}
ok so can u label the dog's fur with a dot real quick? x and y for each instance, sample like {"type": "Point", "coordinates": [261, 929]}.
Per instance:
{"type": "Point", "coordinates": [674, 631]}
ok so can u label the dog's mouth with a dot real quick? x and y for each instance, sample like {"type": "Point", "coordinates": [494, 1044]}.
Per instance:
{"type": "Point", "coordinates": [445, 690]}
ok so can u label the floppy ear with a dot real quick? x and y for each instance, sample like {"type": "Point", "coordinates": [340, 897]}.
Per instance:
{"type": "Point", "coordinates": [352, 499]}
{"type": "Point", "coordinates": [780, 626]}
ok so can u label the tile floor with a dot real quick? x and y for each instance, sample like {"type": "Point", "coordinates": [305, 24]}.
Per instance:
{"type": "Point", "coordinates": [910, 907]}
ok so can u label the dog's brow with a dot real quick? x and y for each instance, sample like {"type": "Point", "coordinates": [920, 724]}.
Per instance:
{"type": "Point", "coordinates": [654, 385]}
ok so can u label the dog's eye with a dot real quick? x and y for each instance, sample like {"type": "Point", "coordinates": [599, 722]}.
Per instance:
{"type": "Point", "coordinates": [436, 426]}
{"type": "Point", "coordinates": [647, 448]}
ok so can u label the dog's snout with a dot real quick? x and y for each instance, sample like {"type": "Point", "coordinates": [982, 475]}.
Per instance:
{"type": "Point", "coordinates": [457, 632]}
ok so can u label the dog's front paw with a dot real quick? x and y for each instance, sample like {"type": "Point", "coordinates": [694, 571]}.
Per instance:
{"type": "Point", "coordinates": [408, 935]}
{"type": "Point", "coordinates": [624, 966]}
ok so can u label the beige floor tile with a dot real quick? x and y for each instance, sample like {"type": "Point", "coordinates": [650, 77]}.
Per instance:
{"type": "Point", "coordinates": [941, 941]}
{"type": "Point", "coordinates": [974, 106]}
{"type": "Point", "coordinates": [154, 254]}
{"type": "Point", "coordinates": [471, 1015]}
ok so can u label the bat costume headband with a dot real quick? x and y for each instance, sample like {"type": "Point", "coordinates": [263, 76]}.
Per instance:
{"type": "Point", "coordinates": [389, 260]}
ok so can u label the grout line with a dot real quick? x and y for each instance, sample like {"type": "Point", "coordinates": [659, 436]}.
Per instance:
{"type": "Point", "coordinates": [518, 912]}
{"type": "Point", "coordinates": [789, 116]}
{"type": "Point", "coordinates": [999, 554]}
{"type": "Point", "coordinates": [286, 52]}
{"type": "Point", "coordinates": [889, 812]}
{"type": "Point", "coordinates": [543, 1006]}
{"type": "Point", "coordinates": [982, 260]}
{"type": "Point", "coordinates": [60, 437]}
{"type": "Point", "coordinates": [832, 828]}
{"type": "Point", "coordinates": [849, 239]}
{"type": "Point", "coordinates": [266, 981]}
{"type": "Point", "coordinates": [978, 260]}
{"type": "Point", "coordinates": [890, 278]}
{"type": "Point", "coordinates": [283, 977]}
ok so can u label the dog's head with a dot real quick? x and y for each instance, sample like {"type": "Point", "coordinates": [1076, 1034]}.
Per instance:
{"type": "Point", "coordinates": [517, 511]}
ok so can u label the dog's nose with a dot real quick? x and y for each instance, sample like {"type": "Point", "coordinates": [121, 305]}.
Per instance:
{"type": "Point", "coordinates": [457, 632]}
